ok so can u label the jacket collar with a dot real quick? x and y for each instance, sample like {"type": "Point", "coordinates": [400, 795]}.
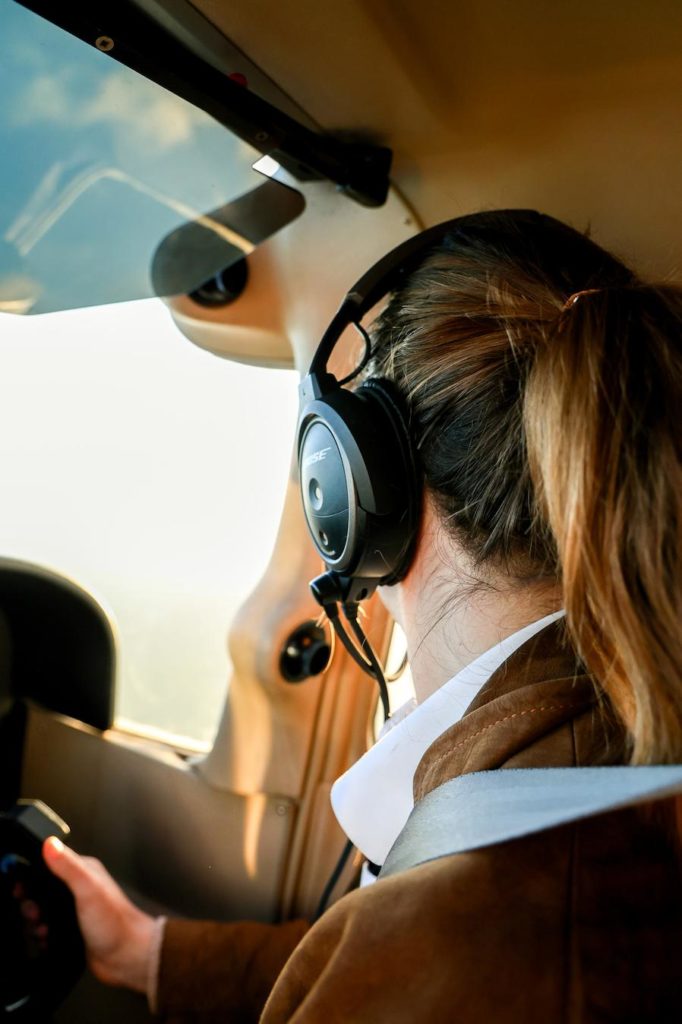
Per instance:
{"type": "Point", "coordinates": [539, 689]}
{"type": "Point", "coordinates": [373, 800]}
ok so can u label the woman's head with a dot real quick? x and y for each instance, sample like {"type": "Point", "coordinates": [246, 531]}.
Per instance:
{"type": "Point", "coordinates": [546, 433]}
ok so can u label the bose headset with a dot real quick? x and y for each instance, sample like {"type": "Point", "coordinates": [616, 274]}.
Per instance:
{"type": "Point", "coordinates": [359, 476]}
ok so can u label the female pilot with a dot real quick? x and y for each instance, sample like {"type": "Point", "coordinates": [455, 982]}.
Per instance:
{"type": "Point", "coordinates": [542, 611]}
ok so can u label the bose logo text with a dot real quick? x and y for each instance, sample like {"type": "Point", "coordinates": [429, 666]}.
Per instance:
{"type": "Point", "coordinates": [318, 456]}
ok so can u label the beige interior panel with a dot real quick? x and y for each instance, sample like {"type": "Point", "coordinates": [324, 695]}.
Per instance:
{"type": "Point", "coordinates": [572, 107]}
{"type": "Point", "coordinates": [297, 279]}
{"type": "Point", "coordinates": [159, 826]}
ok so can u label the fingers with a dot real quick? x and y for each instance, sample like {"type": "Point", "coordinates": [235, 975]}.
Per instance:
{"type": "Point", "coordinates": [117, 934]}
{"type": "Point", "coordinates": [76, 871]}
{"type": "Point", "coordinates": [96, 867]}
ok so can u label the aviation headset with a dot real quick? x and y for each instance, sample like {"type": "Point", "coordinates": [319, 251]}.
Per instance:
{"type": "Point", "coordinates": [359, 476]}
{"type": "Point", "coordinates": [359, 480]}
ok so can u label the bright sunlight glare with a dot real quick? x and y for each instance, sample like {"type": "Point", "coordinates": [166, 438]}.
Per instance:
{"type": "Point", "coordinates": [153, 473]}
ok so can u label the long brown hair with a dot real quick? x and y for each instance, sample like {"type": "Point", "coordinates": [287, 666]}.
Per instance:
{"type": "Point", "coordinates": [546, 427]}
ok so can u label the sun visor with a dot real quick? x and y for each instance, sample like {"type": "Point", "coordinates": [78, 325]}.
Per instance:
{"type": "Point", "coordinates": [201, 249]}
{"type": "Point", "coordinates": [111, 187]}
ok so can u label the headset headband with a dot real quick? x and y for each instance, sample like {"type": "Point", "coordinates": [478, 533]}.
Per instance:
{"type": "Point", "coordinates": [378, 281]}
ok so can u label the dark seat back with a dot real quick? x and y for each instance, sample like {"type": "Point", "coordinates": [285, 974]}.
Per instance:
{"type": "Point", "coordinates": [57, 648]}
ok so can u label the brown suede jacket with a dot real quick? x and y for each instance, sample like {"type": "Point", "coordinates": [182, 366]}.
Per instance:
{"type": "Point", "coordinates": [580, 924]}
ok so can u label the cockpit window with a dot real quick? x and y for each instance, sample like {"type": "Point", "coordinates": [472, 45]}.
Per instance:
{"type": "Point", "coordinates": [153, 473]}
{"type": "Point", "coordinates": [129, 458]}
{"type": "Point", "coordinates": [101, 168]}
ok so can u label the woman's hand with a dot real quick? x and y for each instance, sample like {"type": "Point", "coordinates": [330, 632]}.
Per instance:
{"type": "Point", "coordinates": [117, 935]}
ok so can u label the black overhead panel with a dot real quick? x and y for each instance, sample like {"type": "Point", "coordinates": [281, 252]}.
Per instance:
{"type": "Point", "coordinates": [127, 34]}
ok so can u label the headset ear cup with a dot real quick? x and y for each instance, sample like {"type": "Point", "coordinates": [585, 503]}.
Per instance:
{"type": "Point", "coordinates": [391, 407]}
{"type": "Point", "coordinates": [359, 482]}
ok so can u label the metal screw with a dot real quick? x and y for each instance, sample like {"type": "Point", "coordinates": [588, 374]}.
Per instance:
{"type": "Point", "coordinates": [104, 43]}
{"type": "Point", "coordinates": [281, 810]}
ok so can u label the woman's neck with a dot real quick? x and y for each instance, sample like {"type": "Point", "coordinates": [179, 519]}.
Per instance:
{"type": "Point", "coordinates": [450, 615]}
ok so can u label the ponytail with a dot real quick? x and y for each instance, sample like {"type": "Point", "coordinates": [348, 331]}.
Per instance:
{"type": "Point", "coordinates": [548, 433]}
{"type": "Point", "coordinates": [602, 412]}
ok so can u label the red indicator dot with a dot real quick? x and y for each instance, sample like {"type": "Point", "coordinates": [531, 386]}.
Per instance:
{"type": "Point", "coordinates": [239, 78]}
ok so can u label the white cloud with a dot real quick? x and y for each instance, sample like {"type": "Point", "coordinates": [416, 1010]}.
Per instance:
{"type": "Point", "coordinates": [139, 110]}
{"type": "Point", "coordinates": [155, 115]}
{"type": "Point", "coordinates": [46, 98]}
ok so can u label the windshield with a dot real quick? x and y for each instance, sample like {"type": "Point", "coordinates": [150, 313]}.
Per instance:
{"type": "Point", "coordinates": [129, 456]}
{"type": "Point", "coordinates": [99, 166]}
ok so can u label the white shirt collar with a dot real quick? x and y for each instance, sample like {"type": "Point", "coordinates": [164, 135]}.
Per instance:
{"type": "Point", "coordinates": [373, 799]}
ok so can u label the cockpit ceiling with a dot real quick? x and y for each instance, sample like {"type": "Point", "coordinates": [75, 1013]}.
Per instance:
{"type": "Point", "coordinates": [573, 106]}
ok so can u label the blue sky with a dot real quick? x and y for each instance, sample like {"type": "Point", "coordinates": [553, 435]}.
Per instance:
{"type": "Point", "coordinates": [94, 156]}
